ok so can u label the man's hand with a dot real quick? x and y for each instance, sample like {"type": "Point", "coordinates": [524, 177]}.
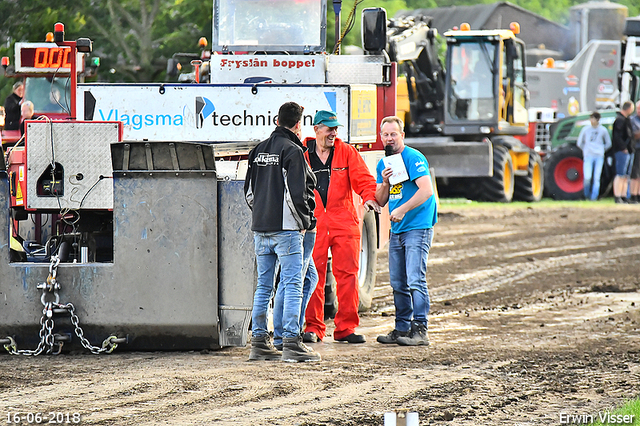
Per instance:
{"type": "Point", "coordinates": [386, 174]}
{"type": "Point", "coordinates": [397, 215]}
{"type": "Point", "coordinates": [372, 205]}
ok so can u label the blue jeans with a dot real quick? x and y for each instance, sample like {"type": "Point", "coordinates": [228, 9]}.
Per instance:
{"type": "Point", "coordinates": [592, 170]}
{"type": "Point", "coordinates": [408, 254]}
{"type": "Point", "coordinates": [308, 287]}
{"type": "Point", "coordinates": [285, 247]}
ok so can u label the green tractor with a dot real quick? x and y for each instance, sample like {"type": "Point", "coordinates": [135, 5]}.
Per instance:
{"type": "Point", "coordinates": [563, 178]}
{"type": "Point", "coordinates": [563, 164]}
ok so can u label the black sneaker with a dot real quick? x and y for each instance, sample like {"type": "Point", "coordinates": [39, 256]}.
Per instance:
{"type": "Point", "coordinates": [263, 350]}
{"type": "Point", "coordinates": [311, 337]}
{"type": "Point", "coordinates": [417, 336]}
{"type": "Point", "coordinates": [293, 350]}
{"type": "Point", "coordinates": [352, 338]}
{"type": "Point", "coordinates": [392, 337]}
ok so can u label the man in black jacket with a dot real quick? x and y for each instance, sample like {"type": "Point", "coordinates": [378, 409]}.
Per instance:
{"type": "Point", "coordinates": [623, 147]}
{"type": "Point", "coordinates": [279, 190]}
{"type": "Point", "coordinates": [12, 107]}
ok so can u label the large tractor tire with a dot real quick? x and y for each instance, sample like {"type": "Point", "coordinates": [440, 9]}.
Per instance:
{"type": "Point", "coordinates": [368, 257]}
{"type": "Point", "coordinates": [563, 173]}
{"type": "Point", "coordinates": [530, 187]}
{"type": "Point", "coordinates": [499, 188]}
{"type": "Point", "coordinates": [330, 294]}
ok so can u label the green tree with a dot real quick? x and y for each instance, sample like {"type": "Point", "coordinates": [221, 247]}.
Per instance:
{"type": "Point", "coordinates": [354, 35]}
{"type": "Point", "coordinates": [137, 36]}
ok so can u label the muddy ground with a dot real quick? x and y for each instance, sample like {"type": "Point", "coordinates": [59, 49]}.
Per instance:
{"type": "Point", "coordinates": [535, 316]}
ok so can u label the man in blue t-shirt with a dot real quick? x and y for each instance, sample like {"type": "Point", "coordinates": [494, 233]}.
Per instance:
{"type": "Point", "coordinates": [413, 213]}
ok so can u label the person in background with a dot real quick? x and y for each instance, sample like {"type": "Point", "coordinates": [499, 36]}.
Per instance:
{"type": "Point", "coordinates": [634, 184]}
{"type": "Point", "coordinates": [413, 212]}
{"type": "Point", "coordinates": [278, 189]}
{"type": "Point", "coordinates": [12, 107]}
{"type": "Point", "coordinates": [594, 141]}
{"type": "Point", "coordinates": [623, 147]}
{"type": "Point", "coordinates": [26, 113]}
{"type": "Point", "coordinates": [340, 170]}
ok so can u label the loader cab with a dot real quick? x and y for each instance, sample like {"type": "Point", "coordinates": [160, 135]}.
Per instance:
{"type": "Point", "coordinates": [485, 84]}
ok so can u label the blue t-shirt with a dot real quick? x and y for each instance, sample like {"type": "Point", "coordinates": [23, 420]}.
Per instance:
{"type": "Point", "coordinates": [425, 215]}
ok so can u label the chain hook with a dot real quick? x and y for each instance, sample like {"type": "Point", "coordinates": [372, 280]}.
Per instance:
{"type": "Point", "coordinates": [12, 348]}
{"type": "Point", "coordinates": [109, 344]}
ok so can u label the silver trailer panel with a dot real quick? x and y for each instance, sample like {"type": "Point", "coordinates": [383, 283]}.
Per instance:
{"type": "Point", "coordinates": [162, 289]}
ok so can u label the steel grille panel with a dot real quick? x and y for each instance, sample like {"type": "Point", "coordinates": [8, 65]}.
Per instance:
{"type": "Point", "coordinates": [83, 151]}
{"type": "Point", "coordinates": [352, 69]}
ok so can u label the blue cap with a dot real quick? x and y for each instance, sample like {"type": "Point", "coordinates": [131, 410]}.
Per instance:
{"type": "Point", "coordinates": [328, 118]}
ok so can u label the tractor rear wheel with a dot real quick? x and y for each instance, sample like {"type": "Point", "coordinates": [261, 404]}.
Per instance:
{"type": "Point", "coordinates": [530, 187]}
{"type": "Point", "coordinates": [368, 257]}
{"type": "Point", "coordinates": [499, 187]}
{"type": "Point", "coordinates": [330, 294]}
{"type": "Point", "coordinates": [563, 173]}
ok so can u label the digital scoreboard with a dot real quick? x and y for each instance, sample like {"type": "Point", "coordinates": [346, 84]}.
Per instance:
{"type": "Point", "coordinates": [45, 58]}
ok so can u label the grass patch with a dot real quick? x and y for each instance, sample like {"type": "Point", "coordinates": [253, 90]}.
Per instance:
{"type": "Point", "coordinates": [631, 409]}
{"type": "Point", "coordinates": [542, 204]}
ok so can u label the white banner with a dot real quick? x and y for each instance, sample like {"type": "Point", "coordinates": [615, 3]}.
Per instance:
{"type": "Point", "coordinates": [206, 113]}
{"type": "Point", "coordinates": [279, 69]}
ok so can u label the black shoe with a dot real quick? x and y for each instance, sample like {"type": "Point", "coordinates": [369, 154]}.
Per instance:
{"type": "Point", "coordinates": [620, 200]}
{"type": "Point", "coordinates": [311, 337]}
{"type": "Point", "coordinates": [417, 336]}
{"type": "Point", "coordinates": [293, 350]}
{"type": "Point", "coordinates": [392, 337]}
{"type": "Point", "coordinates": [352, 338]}
{"type": "Point", "coordinates": [263, 350]}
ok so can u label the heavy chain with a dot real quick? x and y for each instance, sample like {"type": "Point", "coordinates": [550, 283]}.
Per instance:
{"type": "Point", "coordinates": [48, 340]}
{"type": "Point", "coordinates": [108, 345]}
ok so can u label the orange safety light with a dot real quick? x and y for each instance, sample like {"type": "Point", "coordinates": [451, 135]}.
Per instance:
{"type": "Point", "coordinates": [549, 63]}
{"type": "Point", "coordinates": [465, 26]}
{"type": "Point", "coordinates": [515, 28]}
{"type": "Point", "coordinates": [5, 61]}
{"type": "Point", "coordinates": [49, 37]}
{"type": "Point", "coordinates": [203, 42]}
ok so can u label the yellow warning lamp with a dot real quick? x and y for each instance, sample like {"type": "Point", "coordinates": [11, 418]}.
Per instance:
{"type": "Point", "coordinates": [203, 42]}
{"type": "Point", "coordinates": [49, 37]}
{"type": "Point", "coordinates": [465, 26]}
{"type": "Point", "coordinates": [515, 28]}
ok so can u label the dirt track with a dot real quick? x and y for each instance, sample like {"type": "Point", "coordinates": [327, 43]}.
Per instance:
{"type": "Point", "coordinates": [535, 313]}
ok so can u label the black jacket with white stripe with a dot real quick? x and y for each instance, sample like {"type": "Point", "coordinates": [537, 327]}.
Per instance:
{"type": "Point", "coordinates": [279, 184]}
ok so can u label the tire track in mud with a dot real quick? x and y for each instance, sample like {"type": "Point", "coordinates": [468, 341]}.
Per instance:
{"type": "Point", "coordinates": [486, 367]}
{"type": "Point", "coordinates": [591, 250]}
{"type": "Point", "coordinates": [486, 280]}
{"type": "Point", "coordinates": [318, 404]}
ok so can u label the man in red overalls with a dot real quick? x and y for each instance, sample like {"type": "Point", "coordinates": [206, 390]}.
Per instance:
{"type": "Point", "coordinates": [340, 170]}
